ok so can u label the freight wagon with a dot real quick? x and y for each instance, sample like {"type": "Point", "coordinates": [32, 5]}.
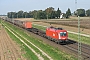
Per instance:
{"type": "Point", "coordinates": [23, 24]}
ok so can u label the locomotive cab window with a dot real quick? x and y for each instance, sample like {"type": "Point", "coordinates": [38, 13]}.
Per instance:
{"type": "Point", "coordinates": [62, 33]}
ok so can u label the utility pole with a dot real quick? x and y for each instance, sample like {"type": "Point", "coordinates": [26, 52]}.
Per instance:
{"type": "Point", "coordinates": [47, 16]}
{"type": "Point", "coordinates": [12, 19]}
{"type": "Point", "coordinates": [76, 4]}
{"type": "Point", "coordinates": [79, 36]}
{"type": "Point", "coordinates": [25, 15]}
{"type": "Point", "coordinates": [79, 40]}
{"type": "Point", "coordinates": [76, 7]}
{"type": "Point", "coordinates": [1, 23]}
{"type": "Point", "coordinates": [17, 15]}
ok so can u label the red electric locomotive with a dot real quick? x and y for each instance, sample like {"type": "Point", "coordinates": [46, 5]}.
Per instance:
{"type": "Point", "coordinates": [57, 34]}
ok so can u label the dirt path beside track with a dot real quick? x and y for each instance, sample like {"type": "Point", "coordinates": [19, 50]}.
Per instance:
{"type": "Point", "coordinates": [9, 50]}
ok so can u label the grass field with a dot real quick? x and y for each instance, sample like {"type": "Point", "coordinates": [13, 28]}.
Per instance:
{"type": "Point", "coordinates": [51, 51]}
{"type": "Point", "coordinates": [71, 18]}
{"type": "Point", "coordinates": [83, 18]}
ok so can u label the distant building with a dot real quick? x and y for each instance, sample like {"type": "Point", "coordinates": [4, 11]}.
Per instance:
{"type": "Point", "coordinates": [62, 15]}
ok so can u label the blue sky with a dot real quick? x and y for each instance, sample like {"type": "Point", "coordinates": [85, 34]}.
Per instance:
{"type": "Point", "coordinates": [30, 5]}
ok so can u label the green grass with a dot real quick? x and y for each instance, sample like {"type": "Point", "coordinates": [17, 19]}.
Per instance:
{"type": "Point", "coordinates": [83, 39]}
{"type": "Point", "coordinates": [51, 51]}
{"type": "Point", "coordinates": [39, 27]}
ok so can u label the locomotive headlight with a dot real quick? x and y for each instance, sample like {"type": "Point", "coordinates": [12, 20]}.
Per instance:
{"type": "Point", "coordinates": [53, 34]}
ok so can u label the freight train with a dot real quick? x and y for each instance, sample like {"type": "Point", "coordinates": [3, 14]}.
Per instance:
{"type": "Point", "coordinates": [54, 34]}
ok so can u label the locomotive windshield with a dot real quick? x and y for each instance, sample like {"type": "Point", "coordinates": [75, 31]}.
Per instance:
{"type": "Point", "coordinates": [62, 33]}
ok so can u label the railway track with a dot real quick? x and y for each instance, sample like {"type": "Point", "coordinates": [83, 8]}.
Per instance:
{"type": "Point", "coordinates": [85, 50]}
{"type": "Point", "coordinates": [70, 46]}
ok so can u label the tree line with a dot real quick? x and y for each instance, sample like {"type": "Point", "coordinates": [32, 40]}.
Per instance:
{"type": "Point", "coordinates": [49, 13]}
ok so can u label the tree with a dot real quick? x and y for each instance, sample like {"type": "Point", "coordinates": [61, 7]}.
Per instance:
{"type": "Point", "coordinates": [49, 12]}
{"type": "Point", "coordinates": [34, 14]}
{"type": "Point", "coordinates": [14, 14]}
{"type": "Point", "coordinates": [25, 15]}
{"type": "Point", "coordinates": [20, 14]}
{"type": "Point", "coordinates": [58, 12]}
{"type": "Point", "coordinates": [39, 14]}
{"type": "Point", "coordinates": [88, 12]}
{"type": "Point", "coordinates": [81, 12]}
{"type": "Point", "coordinates": [30, 14]}
{"type": "Point", "coordinates": [53, 15]}
{"type": "Point", "coordinates": [68, 13]}
{"type": "Point", "coordinates": [9, 14]}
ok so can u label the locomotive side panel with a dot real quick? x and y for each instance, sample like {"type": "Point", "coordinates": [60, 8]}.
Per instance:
{"type": "Point", "coordinates": [52, 33]}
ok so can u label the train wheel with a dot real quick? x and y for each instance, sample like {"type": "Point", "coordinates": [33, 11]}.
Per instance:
{"type": "Point", "coordinates": [57, 42]}
{"type": "Point", "coordinates": [51, 39]}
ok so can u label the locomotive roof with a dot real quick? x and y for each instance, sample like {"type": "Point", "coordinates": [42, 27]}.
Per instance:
{"type": "Point", "coordinates": [56, 28]}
